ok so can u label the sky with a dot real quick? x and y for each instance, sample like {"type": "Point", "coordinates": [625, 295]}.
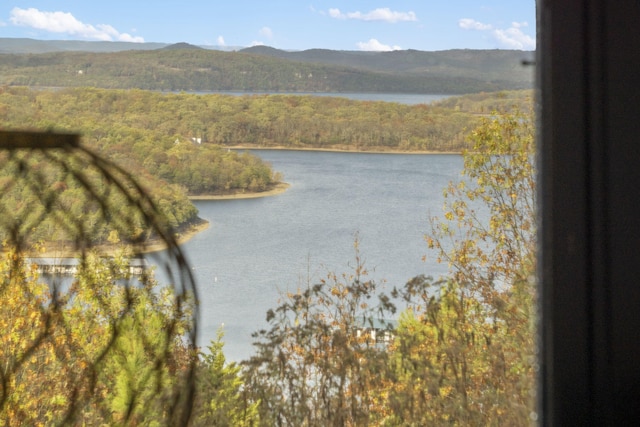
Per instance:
{"type": "Point", "coordinates": [384, 25]}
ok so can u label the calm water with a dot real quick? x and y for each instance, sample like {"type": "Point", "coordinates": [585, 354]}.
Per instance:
{"type": "Point", "coordinates": [256, 248]}
{"type": "Point", "coordinates": [401, 98]}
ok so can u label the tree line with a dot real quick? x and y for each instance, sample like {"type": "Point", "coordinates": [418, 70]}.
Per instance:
{"type": "Point", "coordinates": [194, 69]}
{"type": "Point", "coordinates": [117, 119]}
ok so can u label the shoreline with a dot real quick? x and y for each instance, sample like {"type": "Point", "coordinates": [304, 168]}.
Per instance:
{"type": "Point", "coordinates": [340, 150]}
{"type": "Point", "coordinates": [279, 188]}
{"type": "Point", "coordinates": [182, 235]}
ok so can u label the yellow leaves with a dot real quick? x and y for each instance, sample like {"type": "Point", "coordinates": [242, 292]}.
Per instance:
{"type": "Point", "coordinates": [45, 347]}
{"type": "Point", "coordinates": [494, 223]}
{"type": "Point", "coordinates": [430, 242]}
{"type": "Point", "coordinates": [445, 391]}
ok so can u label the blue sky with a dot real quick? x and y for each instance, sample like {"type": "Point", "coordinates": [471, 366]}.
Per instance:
{"type": "Point", "coordinates": [284, 24]}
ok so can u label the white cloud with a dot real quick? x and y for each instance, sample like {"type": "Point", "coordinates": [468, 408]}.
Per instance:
{"type": "Point", "coordinates": [512, 37]}
{"type": "Point", "coordinates": [375, 45]}
{"type": "Point", "coordinates": [124, 37]}
{"type": "Point", "coordinates": [221, 41]}
{"type": "Point", "coordinates": [266, 32]}
{"type": "Point", "coordinates": [66, 23]}
{"type": "Point", "coordinates": [257, 43]}
{"type": "Point", "coordinates": [335, 13]}
{"type": "Point", "coordinates": [381, 14]}
{"type": "Point", "coordinates": [472, 24]}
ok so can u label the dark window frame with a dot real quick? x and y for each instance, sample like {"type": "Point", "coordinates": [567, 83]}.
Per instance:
{"type": "Point", "coordinates": [588, 87]}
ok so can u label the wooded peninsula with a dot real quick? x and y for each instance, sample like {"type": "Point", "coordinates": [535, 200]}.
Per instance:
{"type": "Point", "coordinates": [180, 144]}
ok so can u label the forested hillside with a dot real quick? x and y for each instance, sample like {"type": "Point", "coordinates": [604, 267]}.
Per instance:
{"type": "Point", "coordinates": [160, 128]}
{"type": "Point", "coordinates": [485, 65]}
{"type": "Point", "coordinates": [188, 68]}
{"type": "Point", "coordinates": [141, 131]}
{"type": "Point", "coordinates": [168, 167]}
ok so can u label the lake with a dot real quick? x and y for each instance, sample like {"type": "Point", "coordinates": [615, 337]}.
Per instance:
{"type": "Point", "coordinates": [401, 98]}
{"type": "Point", "coordinates": [255, 249]}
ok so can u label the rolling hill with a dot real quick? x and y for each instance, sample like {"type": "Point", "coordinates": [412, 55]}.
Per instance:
{"type": "Point", "coordinates": [185, 67]}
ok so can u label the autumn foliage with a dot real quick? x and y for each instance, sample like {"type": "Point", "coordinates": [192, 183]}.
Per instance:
{"type": "Point", "coordinates": [343, 351]}
{"type": "Point", "coordinates": [96, 352]}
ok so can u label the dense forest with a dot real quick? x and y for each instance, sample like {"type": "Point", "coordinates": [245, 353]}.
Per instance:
{"type": "Point", "coordinates": [189, 68]}
{"type": "Point", "coordinates": [144, 132]}
{"type": "Point", "coordinates": [147, 122]}
{"type": "Point", "coordinates": [485, 65]}
{"type": "Point", "coordinates": [54, 209]}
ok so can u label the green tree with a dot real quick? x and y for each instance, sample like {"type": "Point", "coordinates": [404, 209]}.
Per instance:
{"type": "Point", "coordinates": [219, 391]}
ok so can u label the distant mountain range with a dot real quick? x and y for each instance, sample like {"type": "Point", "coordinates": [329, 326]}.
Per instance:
{"type": "Point", "coordinates": [503, 65]}
{"type": "Point", "coordinates": [181, 66]}
{"type": "Point", "coordinates": [24, 45]}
